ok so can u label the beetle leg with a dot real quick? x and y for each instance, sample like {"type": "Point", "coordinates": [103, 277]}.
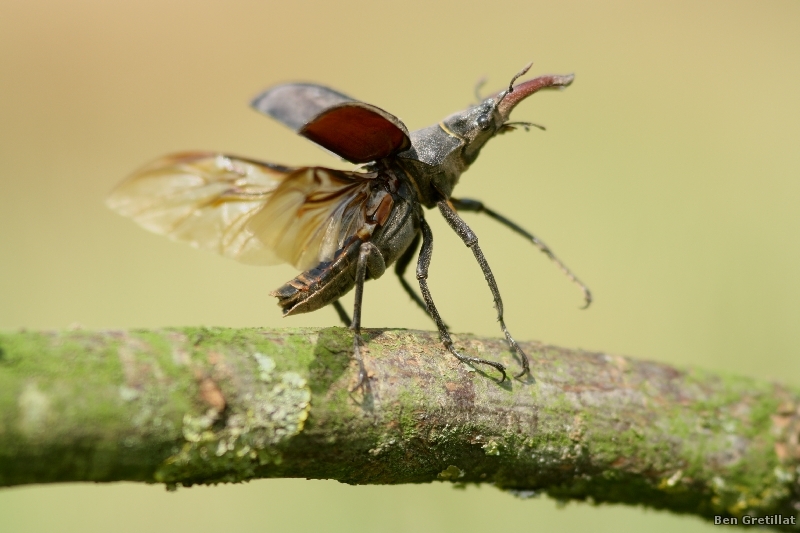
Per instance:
{"type": "Point", "coordinates": [423, 263]}
{"type": "Point", "coordinates": [343, 316]}
{"type": "Point", "coordinates": [400, 269]}
{"type": "Point", "coordinates": [369, 259]}
{"type": "Point", "coordinates": [471, 240]}
{"type": "Point", "coordinates": [476, 206]}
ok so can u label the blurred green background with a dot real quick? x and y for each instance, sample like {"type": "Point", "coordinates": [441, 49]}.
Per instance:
{"type": "Point", "coordinates": [668, 179]}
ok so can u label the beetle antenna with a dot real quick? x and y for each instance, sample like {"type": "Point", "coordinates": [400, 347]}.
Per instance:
{"type": "Point", "coordinates": [525, 125]}
{"type": "Point", "coordinates": [478, 86]}
{"type": "Point", "coordinates": [518, 75]}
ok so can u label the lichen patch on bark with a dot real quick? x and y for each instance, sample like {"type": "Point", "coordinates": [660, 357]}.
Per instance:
{"type": "Point", "coordinates": [230, 445]}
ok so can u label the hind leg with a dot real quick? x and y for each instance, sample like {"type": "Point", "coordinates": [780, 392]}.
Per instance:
{"type": "Point", "coordinates": [343, 316]}
{"type": "Point", "coordinates": [369, 259]}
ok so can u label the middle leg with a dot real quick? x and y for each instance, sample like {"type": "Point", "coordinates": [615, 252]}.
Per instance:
{"type": "Point", "coordinates": [471, 241]}
{"type": "Point", "coordinates": [423, 263]}
{"type": "Point", "coordinates": [400, 269]}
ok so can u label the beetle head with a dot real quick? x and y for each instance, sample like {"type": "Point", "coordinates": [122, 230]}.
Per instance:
{"type": "Point", "coordinates": [481, 122]}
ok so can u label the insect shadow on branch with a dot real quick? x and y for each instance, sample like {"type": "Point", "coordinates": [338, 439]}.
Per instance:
{"type": "Point", "coordinates": [339, 228]}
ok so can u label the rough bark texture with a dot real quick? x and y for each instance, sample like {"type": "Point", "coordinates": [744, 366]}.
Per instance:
{"type": "Point", "coordinates": [206, 405]}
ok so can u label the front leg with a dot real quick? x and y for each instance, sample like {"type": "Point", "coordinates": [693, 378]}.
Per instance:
{"type": "Point", "coordinates": [471, 240]}
{"type": "Point", "coordinates": [423, 263]}
{"type": "Point", "coordinates": [476, 206]}
{"type": "Point", "coordinates": [369, 259]}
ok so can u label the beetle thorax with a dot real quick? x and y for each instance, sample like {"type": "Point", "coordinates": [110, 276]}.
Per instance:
{"type": "Point", "coordinates": [439, 154]}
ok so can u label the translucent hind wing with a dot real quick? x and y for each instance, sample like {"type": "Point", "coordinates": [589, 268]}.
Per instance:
{"type": "Point", "coordinates": [202, 198]}
{"type": "Point", "coordinates": [313, 214]}
{"type": "Point", "coordinates": [255, 212]}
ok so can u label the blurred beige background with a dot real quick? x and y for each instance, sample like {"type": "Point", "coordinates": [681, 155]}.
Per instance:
{"type": "Point", "coordinates": [668, 179]}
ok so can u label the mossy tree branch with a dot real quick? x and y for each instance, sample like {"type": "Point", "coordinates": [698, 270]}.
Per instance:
{"type": "Point", "coordinates": [197, 405]}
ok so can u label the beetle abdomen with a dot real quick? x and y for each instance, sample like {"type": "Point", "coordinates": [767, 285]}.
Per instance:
{"type": "Point", "coordinates": [321, 285]}
{"type": "Point", "coordinates": [329, 281]}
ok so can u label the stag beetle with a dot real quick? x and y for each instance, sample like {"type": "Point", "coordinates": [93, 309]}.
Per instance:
{"type": "Point", "coordinates": [340, 228]}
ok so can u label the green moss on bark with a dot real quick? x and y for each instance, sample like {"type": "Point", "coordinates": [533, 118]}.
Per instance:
{"type": "Point", "coordinates": [208, 405]}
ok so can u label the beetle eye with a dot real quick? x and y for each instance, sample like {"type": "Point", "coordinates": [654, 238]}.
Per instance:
{"type": "Point", "coordinates": [484, 122]}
